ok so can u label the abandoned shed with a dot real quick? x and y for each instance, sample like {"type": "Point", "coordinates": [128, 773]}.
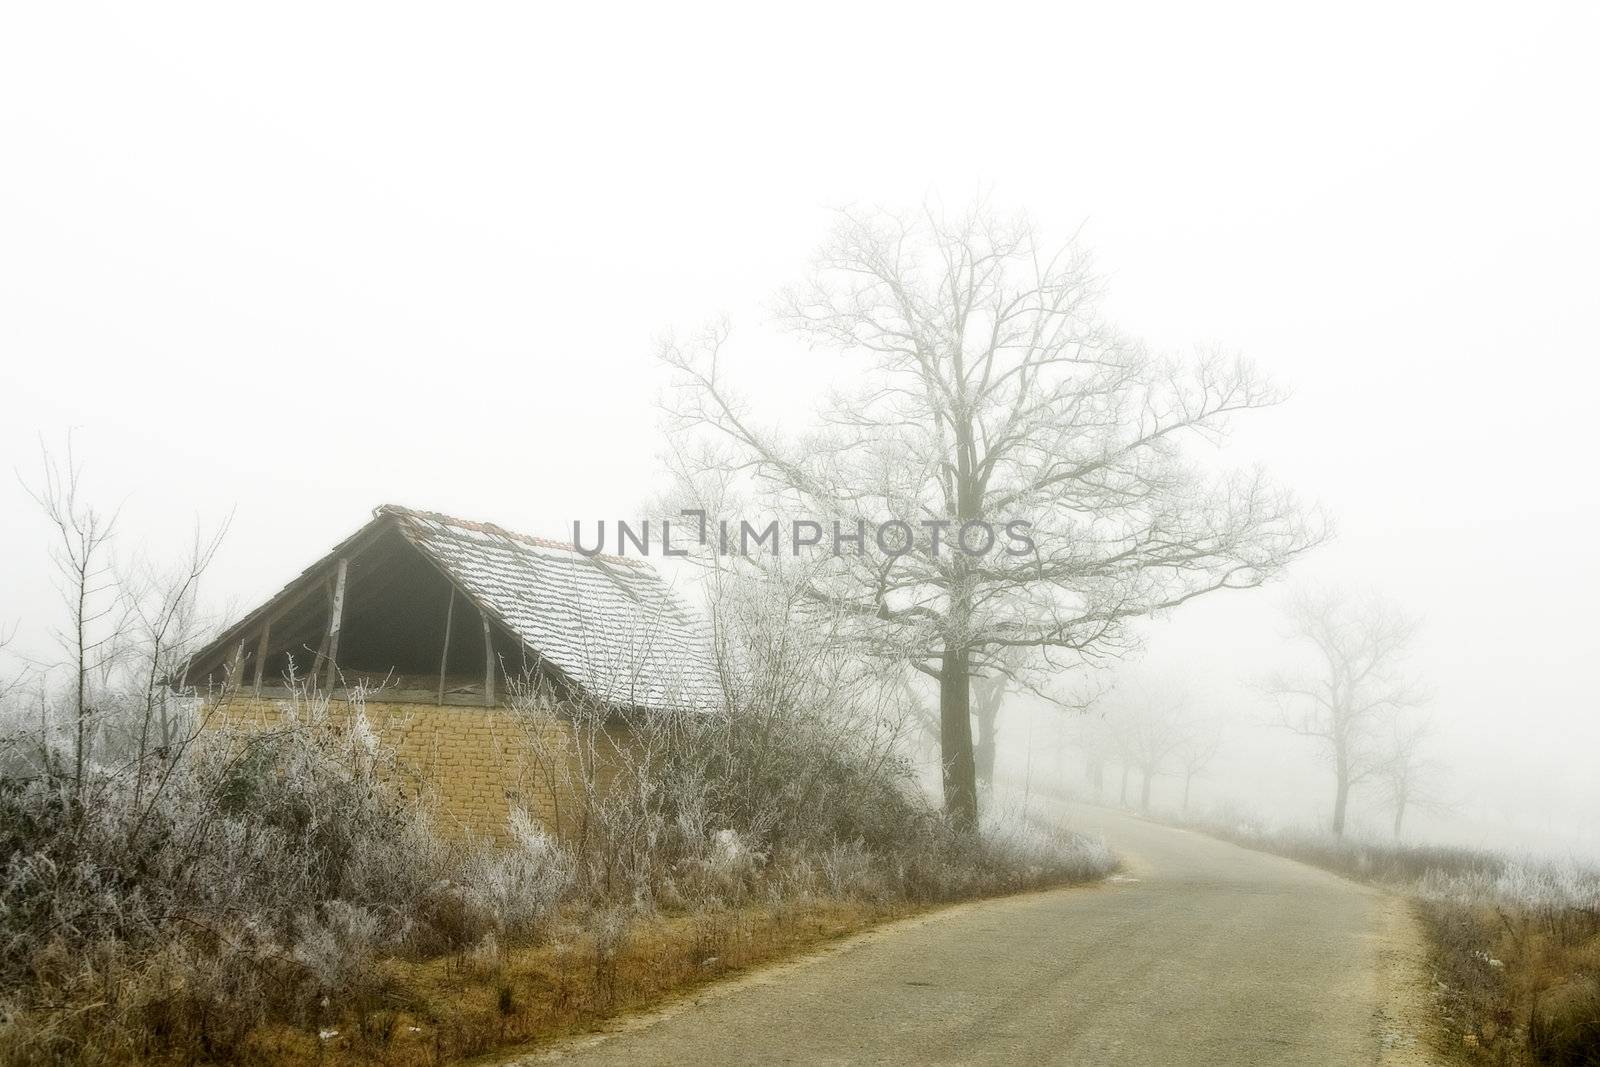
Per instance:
{"type": "Point", "coordinates": [439, 609]}
{"type": "Point", "coordinates": [434, 622]}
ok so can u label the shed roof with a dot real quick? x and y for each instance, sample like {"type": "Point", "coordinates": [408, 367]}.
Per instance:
{"type": "Point", "coordinates": [607, 625]}
{"type": "Point", "coordinates": [610, 624]}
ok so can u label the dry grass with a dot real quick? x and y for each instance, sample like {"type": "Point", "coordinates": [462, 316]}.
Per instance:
{"type": "Point", "coordinates": [448, 1009]}
{"type": "Point", "coordinates": [1517, 985]}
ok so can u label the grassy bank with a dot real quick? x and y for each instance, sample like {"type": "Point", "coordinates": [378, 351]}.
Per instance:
{"type": "Point", "coordinates": [450, 1008]}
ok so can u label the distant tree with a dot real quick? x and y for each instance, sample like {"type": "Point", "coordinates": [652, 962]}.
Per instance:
{"type": "Point", "coordinates": [1155, 730]}
{"type": "Point", "coordinates": [996, 395]}
{"type": "Point", "coordinates": [1103, 745]}
{"type": "Point", "coordinates": [1200, 738]}
{"type": "Point", "coordinates": [1407, 773]}
{"type": "Point", "coordinates": [1094, 768]}
{"type": "Point", "coordinates": [1358, 684]}
{"type": "Point", "coordinates": [1137, 728]}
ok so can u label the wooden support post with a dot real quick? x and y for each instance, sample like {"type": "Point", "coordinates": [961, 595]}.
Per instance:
{"type": "Point", "coordinates": [236, 672]}
{"type": "Point", "coordinates": [335, 619]}
{"type": "Point", "coordinates": [261, 654]}
{"type": "Point", "coordinates": [488, 660]}
{"type": "Point", "coordinates": [444, 657]}
{"type": "Point", "coordinates": [314, 675]}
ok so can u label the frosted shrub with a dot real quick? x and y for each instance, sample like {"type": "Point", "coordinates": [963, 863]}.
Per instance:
{"type": "Point", "coordinates": [1543, 888]}
{"type": "Point", "coordinates": [731, 858]}
{"type": "Point", "coordinates": [1038, 851]}
{"type": "Point", "coordinates": [846, 870]}
{"type": "Point", "coordinates": [520, 886]}
{"type": "Point", "coordinates": [339, 947]}
{"type": "Point", "coordinates": [256, 876]}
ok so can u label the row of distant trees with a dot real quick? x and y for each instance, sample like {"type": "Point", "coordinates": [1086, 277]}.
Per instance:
{"type": "Point", "coordinates": [1355, 700]}
{"type": "Point", "coordinates": [1149, 731]}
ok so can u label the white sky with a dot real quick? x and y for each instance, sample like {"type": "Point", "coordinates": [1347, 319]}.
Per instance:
{"type": "Point", "coordinates": [306, 260]}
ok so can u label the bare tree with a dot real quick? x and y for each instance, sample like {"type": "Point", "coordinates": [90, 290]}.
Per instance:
{"type": "Point", "coordinates": [121, 715]}
{"type": "Point", "coordinates": [164, 630]}
{"type": "Point", "coordinates": [12, 735]}
{"type": "Point", "coordinates": [92, 639]}
{"type": "Point", "coordinates": [1102, 746]}
{"type": "Point", "coordinates": [1094, 769]}
{"type": "Point", "coordinates": [989, 692]}
{"type": "Point", "coordinates": [1359, 681]}
{"type": "Point", "coordinates": [1199, 741]}
{"type": "Point", "coordinates": [10, 684]}
{"type": "Point", "coordinates": [1138, 726]}
{"type": "Point", "coordinates": [1154, 729]}
{"type": "Point", "coordinates": [996, 398]}
{"type": "Point", "coordinates": [1407, 773]}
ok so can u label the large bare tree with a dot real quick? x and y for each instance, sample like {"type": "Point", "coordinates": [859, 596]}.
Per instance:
{"type": "Point", "coordinates": [1357, 684]}
{"type": "Point", "coordinates": [994, 393]}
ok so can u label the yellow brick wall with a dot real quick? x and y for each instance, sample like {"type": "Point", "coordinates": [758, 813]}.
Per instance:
{"type": "Point", "coordinates": [472, 765]}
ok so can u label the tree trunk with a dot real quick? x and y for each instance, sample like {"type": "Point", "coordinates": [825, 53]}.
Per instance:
{"type": "Point", "coordinates": [955, 739]}
{"type": "Point", "coordinates": [983, 753]}
{"type": "Point", "coordinates": [1341, 797]}
{"type": "Point", "coordinates": [1122, 796]}
{"type": "Point", "coordinates": [82, 664]}
{"type": "Point", "coordinates": [1144, 791]}
{"type": "Point", "coordinates": [1399, 813]}
{"type": "Point", "coordinates": [1188, 780]}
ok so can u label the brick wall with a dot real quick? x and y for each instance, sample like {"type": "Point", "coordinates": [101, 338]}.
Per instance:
{"type": "Point", "coordinates": [472, 765]}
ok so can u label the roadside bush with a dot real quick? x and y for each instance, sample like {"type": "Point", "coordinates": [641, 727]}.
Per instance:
{"type": "Point", "coordinates": [264, 875]}
{"type": "Point", "coordinates": [722, 808]}
{"type": "Point", "coordinates": [518, 887]}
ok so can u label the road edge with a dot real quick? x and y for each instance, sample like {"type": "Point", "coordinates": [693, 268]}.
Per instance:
{"type": "Point", "coordinates": [765, 974]}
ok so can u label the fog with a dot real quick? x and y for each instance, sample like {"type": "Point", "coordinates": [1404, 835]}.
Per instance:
{"type": "Point", "coordinates": [290, 266]}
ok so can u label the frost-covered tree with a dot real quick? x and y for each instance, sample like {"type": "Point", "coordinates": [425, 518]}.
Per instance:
{"type": "Point", "coordinates": [993, 392]}
{"type": "Point", "coordinates": [1356, 684]}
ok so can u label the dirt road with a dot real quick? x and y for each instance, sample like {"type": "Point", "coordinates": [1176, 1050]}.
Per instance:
{"type": "Point", "coordinates": [1202, 953]}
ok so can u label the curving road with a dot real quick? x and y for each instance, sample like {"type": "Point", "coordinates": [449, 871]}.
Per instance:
{"type": "Point", "coordinates": [1201, 953]}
